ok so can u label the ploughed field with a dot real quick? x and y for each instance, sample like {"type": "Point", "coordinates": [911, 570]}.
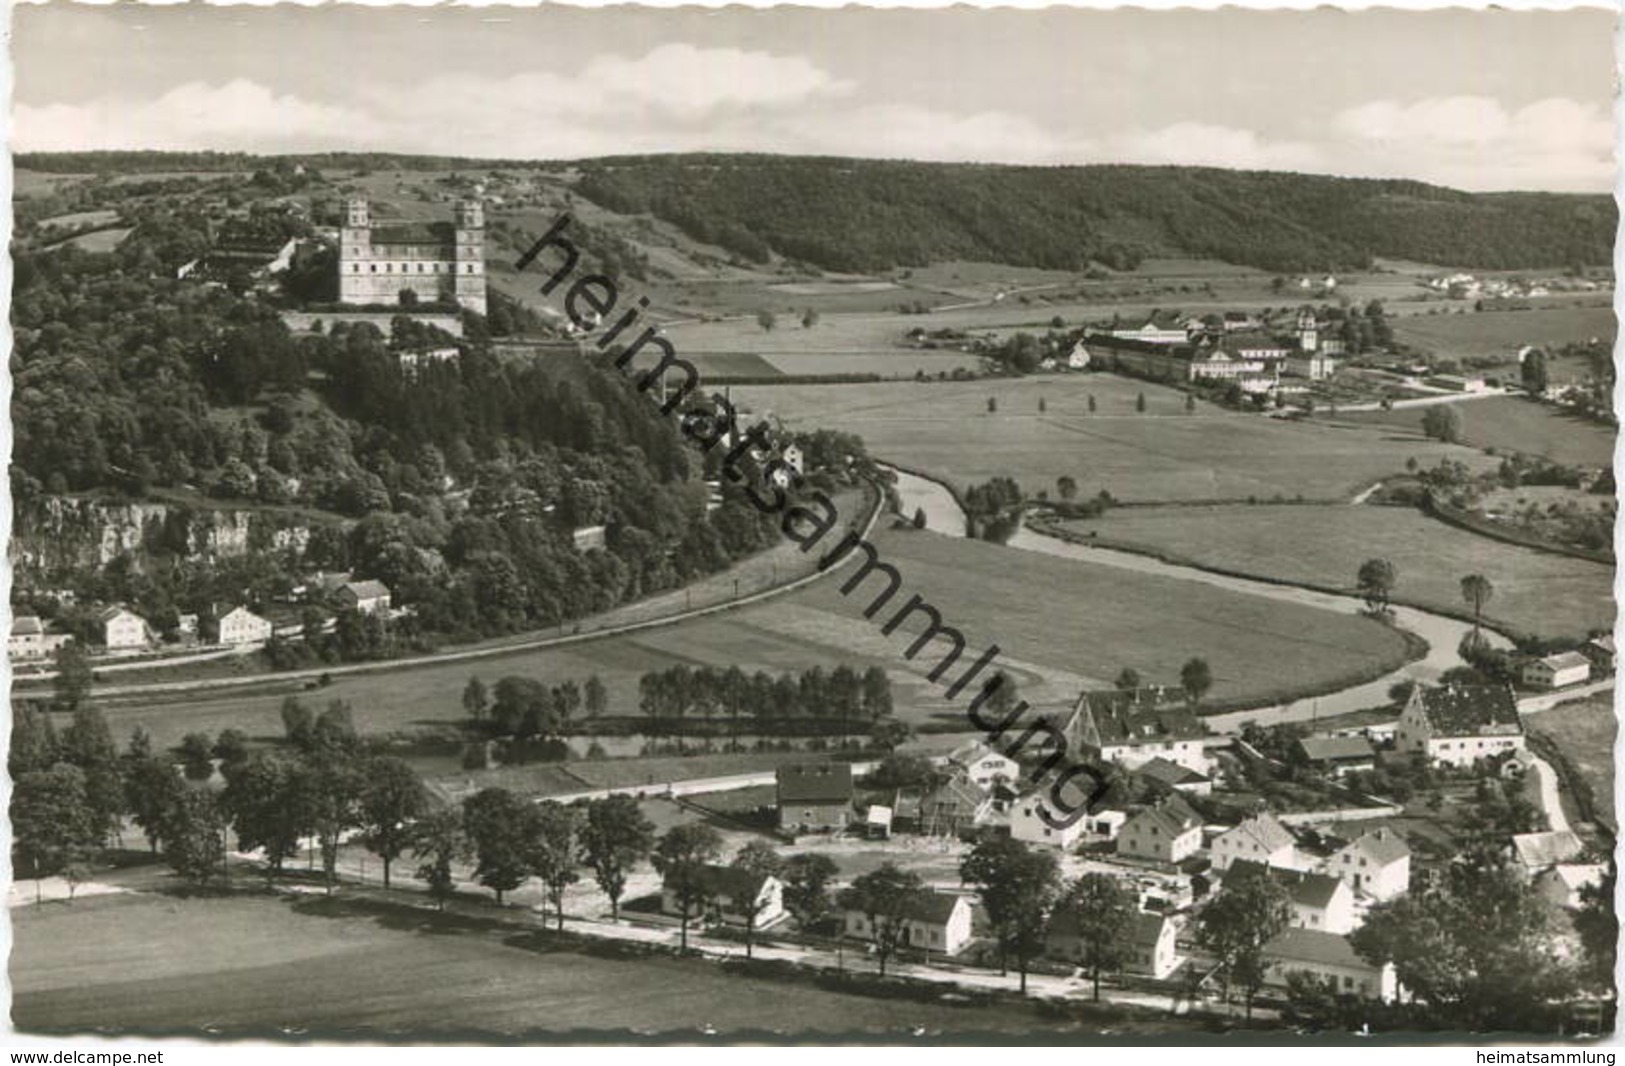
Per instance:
{"type": "Point", "coordinates": [1060, 624]}
{"type": "Point", "coordinates": [268, 966]}
{"type": "Point", "coordinates": [1536, 592]}
{"type": "Point", "coordinates": [1512, 424]}
{"type": "Point", "coordinates": [945, 429]}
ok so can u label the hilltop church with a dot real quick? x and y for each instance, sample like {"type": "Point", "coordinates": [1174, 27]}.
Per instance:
{"type": "Point", "coordinates": [439, 262]}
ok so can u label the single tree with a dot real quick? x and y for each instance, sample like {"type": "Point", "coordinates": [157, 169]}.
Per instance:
{"type": "Point", "coordinates": [1128, 680]}
{"type": "Point", "coordinates": [919, 518]}
{"type": "Point", "coordinates": [1195, 677]}
{"type": "Point", "coordinates": [497, 824]}
{"type": "Point", "coordinates": [809, 319]}
{"type": "Point", "coordinates": [1092, 404]}
{"type": "Point", "coordinates": [1250, 911]}
{"type": "Point", "coordinates": [594, 697]}
{"type": "Point", "coordinates": [52, 820]}
{"type": "Point", "coordinates": [1139, 403]}
{"type": "Point", "coordinates": [154, 792]}
{"type": "Point", "coordinates": [767, 320]}
{"type": "Point", "coordinates": [1099, 912]}
{"type": "Point", "coordinates": [1477, 590]}
{"type": "Point", "coordinates": [1042, 406]}
{"type": "Point", "coordinates": [615, 838]}
{"type": "Point", "coordinates": [1190, 403]}
{"type": "Point", "coordinates": [992, 405]}
{"type": "Point", "coordinates": [268, 800]}
{"type": "Point", "coordinates": [439, 841]}
{"type": "Point", "coordinates": [475, 699]}
{"type": "Point", "coordinates": [888, 898]}
{"type": "Point", "coordinates": [807, 878]}
{"type": "Point", "coordinates": [1067, 487]}
{"type": "Point", "coordinates": [197, 756]}
{"type": "Point", "coordinates": [194, 843]}
{"type": "Point", "coordinates": [73, 679]}
{"type": "Point", "coordinates": [392, 799]}
{"type": "Point", "coordinates": [1442, 422]}
{"type": "Point", "coordinates": [1376, 580]}
{"type": "Point", "coordinates": [555, 851]}
{"type": "Point", "coordinates": [1018, 885]}
{"type": "Point", "coordinates": [683, 858]}
{"type": "Point", "coordinates": [759, 859]}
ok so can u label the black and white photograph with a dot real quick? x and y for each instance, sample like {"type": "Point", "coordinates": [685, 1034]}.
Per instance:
{"type": "Point", "coordinates": [568, 525]}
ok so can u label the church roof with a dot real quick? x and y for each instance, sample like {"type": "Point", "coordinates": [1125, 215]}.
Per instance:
{"type": "Point", "coordinates": [414, 233]}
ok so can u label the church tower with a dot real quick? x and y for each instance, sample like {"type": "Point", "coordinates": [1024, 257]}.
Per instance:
{"type": "Point", "coordinates": [355, 248]}
{"type": "Point", "coordinates": [469, 261]}
{"type": "Point", "coordinates": [1308, 334]}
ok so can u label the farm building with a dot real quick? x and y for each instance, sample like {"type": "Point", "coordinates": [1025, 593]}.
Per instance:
{"type": "Point", "coordinates": [1179, 778]}
{"type": "Point", "coordinates": [1132, 728]}
{"type": "Point", "coordinates": [1562, 883]}
{"type": "Point", "coordinates": [1027, 822]}
{"type": "Point", "coordinates": [1319, 901]}
{"type": "Point", "coordinates": [1600, 651]}
{"type": "Point", "coordinates": [1541, 851]}
{"type": "Point", "coordinates": [368, 597]}
{"type": "Point", "coordinates": [1458, 724]}
{"type": "Point", "coordinates": [1330, 958]}
{"type": "Point", "coordinates": [814, 797]}
{"type": "Point", "coordinates": [1557, 671]}
{"type": "Point", "coordinates": [954, 806]}
{"type": "Point", "coordinates": [1338, 755]}
{"type": "Point", "coordinates": [935, 922]}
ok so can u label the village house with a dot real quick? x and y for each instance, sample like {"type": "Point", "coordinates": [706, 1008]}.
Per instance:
{"type": "Point", "coordinates": [1557, 671]}
{"type": "Point", "coordinates": [588, 538]}
{"type": "Point", "coordinates": [1261, 839]}
{"type": "Point", "coordinates": [1562, 883]}
{"type": "Point", "coordinates": [368, 597]}
{"type": "Point", "coordinates": [953, 807]}
{"type": "Point", "coordinates": [1459, 724]}
{"type": "Point", "coordinates": [983, 766]}
{"type": "Point", "coordinates": [1078, 357]}
{"type": "Point", "coordinates": [1338, 755]}
{"type": "Point", "coordinates": [1377, 864]}
{"type": "Point", "coordinates": [1600, 650]}
{"type": "Point", "coordinates": [123, 629]}
{"type": "Point", "coordinates": [1153, 943]}
{"type": "Point", "coordinates": [1169, 832]}
{"type": "Point", "coordinates": [1330, 958]}
{"type": "Point", "coordinates": [937, 922]}
{"type": "Point", "coordinates": [1319, 901]}
{"type": "Point", "coordinates": [1132, 728]}
{"type": "Point", "coordinates": [732, 897]}
{"type": "Point", "coordinates": [242, 626]}
{"type": "Point", "coordinates": [27, 638]}
{"type": "Point", "coordinates": [814, 797]}
{"type": "Point", "coordinates": [1027, 822]}
{"type": "Point", "coordinates": [1158, 329]}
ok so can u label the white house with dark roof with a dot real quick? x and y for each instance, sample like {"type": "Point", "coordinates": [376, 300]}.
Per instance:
{"type": "Point", "coordinates": [1330, 958]}
{"type": "Point", "coordinates": [1261, 839]}
{"type": "Point", "coordinates": [938, 922]}
{"type": "Point", "coordinates": [27, 638]}
{"type": "Point", "coordinates": [732, 897]}
{"type": "Point", "coordinates": [1377, 864]}
{"type": "Point", "coordinates": [1459, 724]}
{"type": "Point", "coordinates": [1168, 832]}
{"type": "Point", "coordinates": [814, 796]}
{"type": "Point", "coordinates": [1557, 671]}
{"type": "Point", "coordinates": [1600, 650]}
{"type": "Point", "coordinates": [242, 626]}
{"type": "Point", "coordinates": [984, 766]}
{"type": "Point", "coordinates": [1027, 822]}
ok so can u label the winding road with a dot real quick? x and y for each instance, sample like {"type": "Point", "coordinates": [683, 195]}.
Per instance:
{"type": "Point", "coordinates": [1442, 633]}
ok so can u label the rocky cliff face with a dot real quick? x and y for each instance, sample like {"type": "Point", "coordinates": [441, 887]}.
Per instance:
{"type": "Point", "coordinates": [62, 534]}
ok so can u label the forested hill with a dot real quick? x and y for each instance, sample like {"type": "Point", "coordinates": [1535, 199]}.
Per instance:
{"type": "Point", "coordinates": [867, 215]}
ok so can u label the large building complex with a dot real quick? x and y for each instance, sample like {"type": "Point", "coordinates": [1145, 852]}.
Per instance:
{"type": "Point", "coordinates": [437, 262]}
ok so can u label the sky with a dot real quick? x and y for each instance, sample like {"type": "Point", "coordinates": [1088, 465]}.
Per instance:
{"type": "Point", "coordinates": [1478, 100]}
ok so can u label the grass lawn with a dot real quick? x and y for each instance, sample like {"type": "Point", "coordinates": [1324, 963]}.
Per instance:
{"type": "Point", "coordinates": [1584, 731]}
{"type": "Point", "coordinates": [944, 428]}
{"type": "Point", "coordinates": [1552, 595]}
{"type": "Point", "coordinates": [1511, 424]}
{"type": "Point", "coordinates": [260, 965]}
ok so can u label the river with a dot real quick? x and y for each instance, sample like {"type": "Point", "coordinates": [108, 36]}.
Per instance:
{"type": "Point", "coordinates": [1443, 634]}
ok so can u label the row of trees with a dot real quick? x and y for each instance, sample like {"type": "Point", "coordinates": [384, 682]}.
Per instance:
{"type": "Point", "coordinates": [679, 692]}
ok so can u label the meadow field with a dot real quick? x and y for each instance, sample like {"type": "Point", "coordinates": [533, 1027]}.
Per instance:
{"type": "Point", "coordinates": [1510, 424]}
{"type": "Point", "coordinates": [341, 969]}
{"type": "Point", "coordinates": [1585, 731]}
{"type": "Point", "coordinates": [1061, 624]}
{"type": "Point", "coordinates": [1535, 592]}
{"type": "Point", "coordinates": [1165, 454]}
{"type": "Point", "coordinates": [1491, 333]}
